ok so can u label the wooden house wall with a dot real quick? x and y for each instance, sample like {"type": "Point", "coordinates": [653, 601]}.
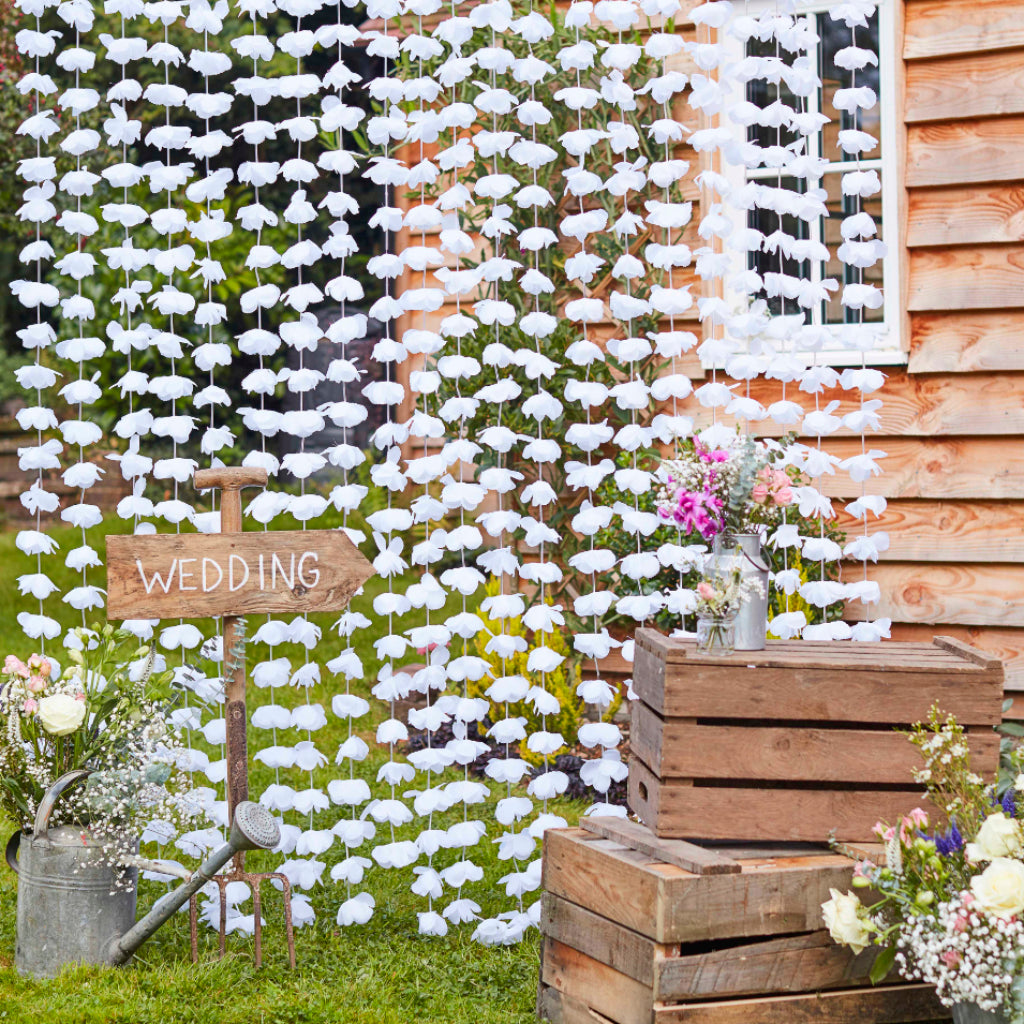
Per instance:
{"type": "Point", "coordinates": [953, 417]}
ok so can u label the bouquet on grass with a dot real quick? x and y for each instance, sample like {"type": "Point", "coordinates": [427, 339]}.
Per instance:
{"type": "Point", "coordinates": [109, 712]}
{"type": "Point", "coordinates": [949, 900]}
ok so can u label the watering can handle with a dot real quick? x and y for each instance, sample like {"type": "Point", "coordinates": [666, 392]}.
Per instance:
{"type": "Point", "coordinates": [50, 797]}
{"type": "Point", "coordinates": [11, 852]}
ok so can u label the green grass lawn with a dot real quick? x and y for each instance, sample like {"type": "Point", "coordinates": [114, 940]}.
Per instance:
{"type": "Point", "coordinates": [379, 972]}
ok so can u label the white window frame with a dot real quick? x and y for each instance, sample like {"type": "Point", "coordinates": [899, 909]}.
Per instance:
{"type": "Point", "coordinates": [890, 349]}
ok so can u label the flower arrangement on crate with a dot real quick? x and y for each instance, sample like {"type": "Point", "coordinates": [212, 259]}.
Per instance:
{"type": "Point", "coordinates": [730, 495]}
{"type": "Point", "coordinates": [949, 906]}
{"type": "Point", "coordinates": [728, 491]}
{"type": "Point", "coordinates": [109, 712]}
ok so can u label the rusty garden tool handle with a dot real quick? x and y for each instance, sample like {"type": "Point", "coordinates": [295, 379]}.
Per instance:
{"type": "Point", "coordinates": [11, 851]}
{"type": "Point", "coordinates": [50, 797]}
{"type": "Point", "coordinates": [231, 480]}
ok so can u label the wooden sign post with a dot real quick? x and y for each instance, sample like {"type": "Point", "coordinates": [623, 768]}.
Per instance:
{"type": "Point", "coordinates": [230, 575]}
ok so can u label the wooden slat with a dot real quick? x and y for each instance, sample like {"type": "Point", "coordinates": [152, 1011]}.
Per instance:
{"type": "Point", "coordinates": [605, 940]}
{"type": "Point", "coordinates": [972, 595]}
{"type": "Point", "coordinates": [678, 810]}
{"type": "Point", "coordinates": [1005, 644]}
{"type": "Point", "coordinates": [986, 277]}
{"type": "Point", "coordinates": [965, 151]}
{"type": "Point", "coordinates": [902, 1004]}
{"type": "Point", "coordinates": [636, 837]}
{"type": "Point", "coordinates": [797, 963]}
{"type": "Point", "coordinates": [943, 27]}
{"type": "Point", "coordinates": [912, 406]}
{"type": "Point", "coordinates": [667, 904]}
{"type": "Point", "coordinates": [973, 215]}
{"type": "Point", "coordinates": [580, 977]}
{"type": "Point", "coordinates": [685, 749]}
{"type": "Point", "coordinates": [947, 531]}
{"type": "Point", "coordinates": [957, 342]}
{"type": "Point", "coordinates": [557, 1008]}
{"type": "Point", "coordinates": [811, 694]}
{"type": "Point", "coordinates": [979, 85]}
{"type": "Point", "coordinates": [988, 467]}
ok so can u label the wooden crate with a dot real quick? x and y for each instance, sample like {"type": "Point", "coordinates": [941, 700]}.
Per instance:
{"type": "Point", "coordinates": [797, 740]}
{"type": "Point", "coordinates": [629, 938]}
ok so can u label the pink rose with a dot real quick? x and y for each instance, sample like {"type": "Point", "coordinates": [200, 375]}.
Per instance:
{"type": "Point", "coordinates": [951, 957]}
{"type": "Point", "coordinates": [766, 475]}
{"type": "Point", "coordinates": [15, 667]}
{"type": "Point", "coordinates": [80, 696]}
{"type": "Point", "coordinates": [706, 591]}
{"type": "Point", "coordinates": [45, 668]}
{"type": "Point", "coordinates": [36, 684]}
{"type": "Point", "coordinates": [759, 494]}
{"type": "Point", "coordinates": [30, 706]}
{"type": "Point", "coordinates": [784, 497]}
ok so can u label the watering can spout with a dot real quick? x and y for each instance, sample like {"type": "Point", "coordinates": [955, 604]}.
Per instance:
{"type": "Point", "coordinates": [253, 828]}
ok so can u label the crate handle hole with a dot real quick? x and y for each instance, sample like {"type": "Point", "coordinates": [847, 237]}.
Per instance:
{"type": "Point", "coordinates": [643, 791]}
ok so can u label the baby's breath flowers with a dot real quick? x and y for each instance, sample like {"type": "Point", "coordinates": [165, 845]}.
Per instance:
{"type": "Point", "coordinates": [109, 712]}
{"type": "Point", "coordinates": [951, 906]}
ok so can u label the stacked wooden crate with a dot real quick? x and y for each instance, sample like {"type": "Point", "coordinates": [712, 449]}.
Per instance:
{"type": "Point", "coordinates": [631, 936]}
{"type": "Point", "coordinates": [798, 740]}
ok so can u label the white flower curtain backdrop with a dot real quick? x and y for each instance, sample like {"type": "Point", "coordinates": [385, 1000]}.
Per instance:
{"type": "Point", "coordinates": [571, 237]}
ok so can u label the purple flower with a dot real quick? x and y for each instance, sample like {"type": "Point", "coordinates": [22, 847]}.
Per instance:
{"type": "Point", "coordinates": [949, 843]}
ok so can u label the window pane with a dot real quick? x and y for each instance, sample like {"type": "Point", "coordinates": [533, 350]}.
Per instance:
{"type": "Point", "coordinates": [762, 94]}
{"type": "Point", "coordinates": [768, 222]}
{"type": "Point", "coordinates": [840, 206]}
{"type": "Point", "coordinates": [836, 36]}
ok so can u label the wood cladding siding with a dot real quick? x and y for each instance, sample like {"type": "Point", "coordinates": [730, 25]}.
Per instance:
{"type": "Point", "coordinates": [956, 483]}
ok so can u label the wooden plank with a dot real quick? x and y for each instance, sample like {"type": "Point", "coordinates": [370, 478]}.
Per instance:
{"type": "Point", "coordinates": [557, 1008]}
{"type": "Point", "coordinates": [811, 693]}
{"type": "Point", "coordinates": [936, 28]}
{"type": "Point", "coordinates": [589, 981]}
{"type": "Point", "coordinates": [663, 902]}
{"type": "Point", "coordinates": [681, 811]}
{"type": "Point", "coordinates": [1005, 644]}
{"type": "Point", "coordinates": [965, 650]}
{"type": "Point", "coordinates": [947, 531]}
{"type": "Point", "coordinates": [965, 151]}
{"type": "Point", "coordinates": [984, 467]}
{"type": "Point", "coordinates": [957, 342]}
{"type": "Point", "coordinates": [605, 940]}
{"type": "Point", "coordinates": [636, 837]}
{"type": "Point", "coordinates": [797, 963]}
{"type": "Point", "coordinates": [890, 1004]}
{"type": "Point", "coordinates": [684, 749]}
{"type": "Point", "coordinates": [972, 215]}
{"type": "Point", "coordinates": [978, 85]}
{"type": "Point", "coordinates": [200, 575]}
{"type": "Point", "coordinates": [932, 406]}
{"type": "Point", "coordinates": [984, 277]}
{"type": "Point", "coordinates": [972, 595]}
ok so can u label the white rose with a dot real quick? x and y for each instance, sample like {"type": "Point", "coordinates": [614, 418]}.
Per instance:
{"type": "Point", "coordinates": [999, 836]}
{"type": "Point", "coordinates": [1000, 887]}
{"type": "Point", "coordinates": [1018, 783]}
{"type": "Point", "coordinates": [61, 713]}
{"type": "Point", "coordinates": [844, 918]}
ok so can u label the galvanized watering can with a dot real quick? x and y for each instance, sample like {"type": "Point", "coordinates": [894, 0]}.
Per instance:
{"type": "Point", "coordinates": [73, 907]}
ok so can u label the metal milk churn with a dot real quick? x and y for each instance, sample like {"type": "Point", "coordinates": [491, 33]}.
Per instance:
{"type": "Point", "coordinates": [745, 550]}
{"type": "Point", "coordinates": [71, 901]}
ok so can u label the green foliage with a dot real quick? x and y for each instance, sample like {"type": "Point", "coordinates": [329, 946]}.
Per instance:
{"type": "Point", "coordinates": [561, 683]}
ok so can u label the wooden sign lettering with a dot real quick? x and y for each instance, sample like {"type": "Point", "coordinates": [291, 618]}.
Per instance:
{"type": "Point", "coordinates": [169, 576]}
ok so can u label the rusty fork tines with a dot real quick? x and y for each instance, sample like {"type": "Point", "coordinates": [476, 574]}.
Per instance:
{"type": "Point", "coordinates": [254, 879]}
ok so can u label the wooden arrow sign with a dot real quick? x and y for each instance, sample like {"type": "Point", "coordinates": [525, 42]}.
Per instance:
{"type": "Point", "coordinates": [170, 576]}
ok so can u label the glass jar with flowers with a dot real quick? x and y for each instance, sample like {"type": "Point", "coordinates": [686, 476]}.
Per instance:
{"type": "Point", "coordinates": [719, 599]}
{"type": "Point", "coordinates": [948, 902]}
{"type": "Point", "coordinates": [728, 495]}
